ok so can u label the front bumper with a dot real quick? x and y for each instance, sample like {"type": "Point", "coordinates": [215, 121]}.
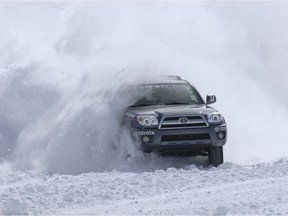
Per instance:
{"type": "Point", "coordinates": [180, 139]}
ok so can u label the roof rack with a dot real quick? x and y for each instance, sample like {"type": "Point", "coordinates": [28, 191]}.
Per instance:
{"type": "Point", "coordinates": [173, 77]}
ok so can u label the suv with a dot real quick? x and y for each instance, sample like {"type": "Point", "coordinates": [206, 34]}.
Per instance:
{"type": "Point", "coordinates": [170, 116]}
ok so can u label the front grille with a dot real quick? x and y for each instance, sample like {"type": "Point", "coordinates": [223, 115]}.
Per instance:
{"type": "Point", "coordinates": [174, 122]}
{"type": "Point", "coordinates": [185, 137]}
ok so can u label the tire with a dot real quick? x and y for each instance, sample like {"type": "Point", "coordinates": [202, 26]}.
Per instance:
{"type": "Point", "coordinates": [128, 146]}
{"type": "Point", "coordinates": [216, 155]}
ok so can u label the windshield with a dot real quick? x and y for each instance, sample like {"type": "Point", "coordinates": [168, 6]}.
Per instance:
{"type": "Point", "coordinates": [166, 94]}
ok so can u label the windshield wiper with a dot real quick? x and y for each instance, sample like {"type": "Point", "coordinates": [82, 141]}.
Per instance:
{"type": "Point", "coordinates": [161, 104]}
{"type": "Point", "coordinates": [141, 105]}
{"type": "Point", "coordinates": [177, 103]}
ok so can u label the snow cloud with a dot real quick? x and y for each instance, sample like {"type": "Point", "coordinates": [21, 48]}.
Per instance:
{"type": "Point", "coordinates": [64, 63]}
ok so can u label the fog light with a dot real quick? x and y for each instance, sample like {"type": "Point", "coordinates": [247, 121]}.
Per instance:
{"type": "Point", "coordinates": [221, 135]}
{"type": "Point", "coordinates": [146, 139]}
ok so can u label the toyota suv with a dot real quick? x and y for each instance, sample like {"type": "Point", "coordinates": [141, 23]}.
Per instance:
{"type": "Point", "coordinates": [170, 117]}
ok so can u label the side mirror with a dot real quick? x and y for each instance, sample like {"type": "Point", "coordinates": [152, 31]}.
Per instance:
{"type": "Point", "coordinates": [210, 99]}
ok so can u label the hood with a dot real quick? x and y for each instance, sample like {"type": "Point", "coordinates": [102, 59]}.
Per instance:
{"type": "Point", "coordinates": [172, 110]}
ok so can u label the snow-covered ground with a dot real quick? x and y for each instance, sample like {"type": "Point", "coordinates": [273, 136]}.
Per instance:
{"type": "Point", "coordinates": [228, 189]}
{"type": "Point", "coordinates": [61, 64]}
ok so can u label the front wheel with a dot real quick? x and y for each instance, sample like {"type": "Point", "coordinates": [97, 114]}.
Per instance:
{"type": "Point", "coordinates": [216, 155]}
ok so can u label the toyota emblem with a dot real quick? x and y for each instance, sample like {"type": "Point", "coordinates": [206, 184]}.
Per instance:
{"type": "Point", "coordinates": [183, 120]}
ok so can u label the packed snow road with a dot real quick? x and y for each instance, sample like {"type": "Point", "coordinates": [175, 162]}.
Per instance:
{"type": "Point", "coordinates": [228, 189]}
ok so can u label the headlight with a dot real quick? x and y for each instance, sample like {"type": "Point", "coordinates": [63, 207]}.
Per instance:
{"type": "Point", "coordinates": [215, 118]}
{"type": "Point", "coordinates": [147, 120]}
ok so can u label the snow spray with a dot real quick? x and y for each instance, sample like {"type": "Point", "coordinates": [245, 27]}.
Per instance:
{"type": "Point", "coordinates": [62, 64]}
